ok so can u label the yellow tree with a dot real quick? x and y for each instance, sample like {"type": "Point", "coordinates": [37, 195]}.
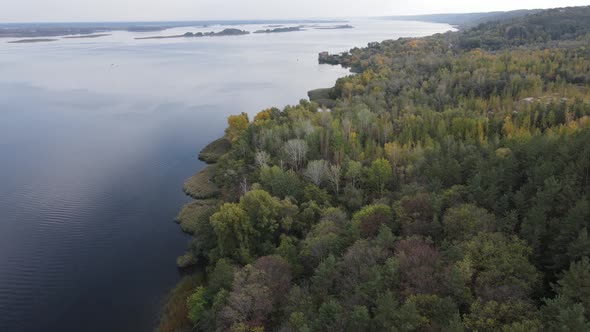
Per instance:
{"type": "Point", "coordinates": [236, 125]}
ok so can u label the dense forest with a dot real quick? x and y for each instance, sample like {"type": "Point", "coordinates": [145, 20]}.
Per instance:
{"type": "Point", "coordinates": [447, 188]}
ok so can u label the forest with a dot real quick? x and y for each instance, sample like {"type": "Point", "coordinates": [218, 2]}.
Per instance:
{"type": "Point", "coordinates": [447, 188]}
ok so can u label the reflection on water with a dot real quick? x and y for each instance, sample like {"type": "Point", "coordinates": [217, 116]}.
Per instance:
{"type": "Point", "coordinates": [96, 138]}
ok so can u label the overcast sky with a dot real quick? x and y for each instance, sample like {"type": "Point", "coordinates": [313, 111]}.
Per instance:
{"type": "Point", "coordinates": [137, 10]}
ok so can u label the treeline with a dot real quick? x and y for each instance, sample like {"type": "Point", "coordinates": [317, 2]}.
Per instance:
{"type": "Point", "coordinates": [448, 189]}
{"type": "Point", "coordinates": [547, 26]}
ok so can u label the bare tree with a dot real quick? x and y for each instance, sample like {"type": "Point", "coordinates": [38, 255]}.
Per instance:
{"type": "Point", "coordinates": [316, 171]}
{"type": "Point", "coordinates": [304, 128]}
{"type": "Point", "coordinates": [296, 149]}
{"type": "Point", "coordinates": [262, 158]}
{"type": "Point", "coordinates": [334, 173]}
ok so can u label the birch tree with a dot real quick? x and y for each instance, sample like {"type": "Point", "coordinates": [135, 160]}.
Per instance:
{"type": "Point", "coordinates": [316, 171]}
{"type": "Point", "coordinates": [296, 149]}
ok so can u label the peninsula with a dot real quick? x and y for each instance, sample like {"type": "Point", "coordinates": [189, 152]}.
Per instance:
{"type": "Point", "coordinates": [429, 197]}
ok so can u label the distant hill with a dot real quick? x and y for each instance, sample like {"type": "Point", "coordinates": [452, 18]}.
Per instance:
{"type": "Point", "coordinates": [466, 19]}
{"type": "Point", "coordinates": [552, 25]}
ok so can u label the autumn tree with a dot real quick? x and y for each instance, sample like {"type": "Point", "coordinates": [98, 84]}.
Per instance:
{"type": "Point", "coordinates": [237, 124]}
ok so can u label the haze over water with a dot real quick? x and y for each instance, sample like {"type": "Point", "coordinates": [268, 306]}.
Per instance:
{"type": "Point", "coordinates": [96, 139]}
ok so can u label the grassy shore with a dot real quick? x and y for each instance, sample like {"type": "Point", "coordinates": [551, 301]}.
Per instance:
{"type": "Point", "coordinates": [195, 212]}
{"type": "Point", "coordinates": [174, 317]}
{"type": "Point", "coordinates": [212, 152]}
{"type": "Point", "coordinates": [200, 186]}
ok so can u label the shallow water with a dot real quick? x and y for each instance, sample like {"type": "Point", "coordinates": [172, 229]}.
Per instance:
{"type": "Point", "coordinates": [96, 139]}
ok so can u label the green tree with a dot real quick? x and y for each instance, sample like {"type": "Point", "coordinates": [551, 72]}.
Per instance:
{"type": "Point", "coordinates": [465, 221]}
{"type": "Point", "coordinates": [263, 212]}
{"type": "Point", "coordinates": [354, 170]}
{"type": "Point", "coordinates": [196, 304]}
{"type": "Point", "coordinates": [360, 320]}
{"type": "Point", "coordinates": [560, 315]}
{"type": "Point", "coordinates": [502, 316]}
{"type": "Point", "coordinates": [330, 317]}
{"type": "Point", "coordinates": [574, 286]}
{"type": "Point", "coordinates": [234, 232]}
{"type": "Point", "coordinates": [499, 267]}
{"type": "Point", "coordinates": [281, 183]}
{"type": "Point", "coordinates": [379, 175]}
{"type": "Point", "coordinates": [390, 316]}
{"type": "Point", "coordinates": [222, 276]}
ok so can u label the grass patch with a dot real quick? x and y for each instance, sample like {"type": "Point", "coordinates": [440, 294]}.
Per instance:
{"type": "Point", "coordinates": [174, 317]}
{"type": "Point", "coordinates": [212, 152]}
{"type": "Point", "coordinates": [186, 260]}
{"type": "Point", "coordinates": [322, 97]}
{"type": "Point", "coordinates": [200, 186]}
{"type": "Point", "coordinates": [194, 213]}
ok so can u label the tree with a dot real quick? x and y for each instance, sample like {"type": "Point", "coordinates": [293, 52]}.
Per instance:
{"type": "Point", "coordinates": [234, 232]}
{"type": "Point", "coordinates": [249, 303]}
{"type": "Point", "coordinates": [360, 320]}
{"type": "Point", "coordinates": [316, 194]}
{"type": "Point", "coordinates": [237, 124]}
{"type": "Point", "coordinates": [370, 219]}
{"type": "Point", "coordinates": [276, 276]}
{"type": "Point", "coordinates": [379, 175]}
{"type": "Point", "coordinates": [354, 170]}
{"type": "Point", "coordinates": [420, 267]}
{"type": "Point", "coordinates": [263, 212]}
{"type": "Point", "coordinates": [416, 215]}
{"type": "Point", "coordinates": [330, 317]}
{"type": "Point", "coordinates": [325, 277]}
{"type": "Point", "coordinates": [500, 267]}
{"type": "Point", "coordinates": [559, 314]}
{"type": "Point", "coordinates": [391, 316]}
{"type": "Point", "coordinates": [438, 310]}
{"type": "Point", "coordinates": [334, 174]}
{"type": "Point", "coordinates": [296, 151]}
{"type": "Point", "coordinates": [512, 315]}
{"type": "Point", "coordinates": [222, 276]}
{"type": "Point", "coordinates": [465, 221]}
{"type": "Point", "coordinates": [574, 286]}
{"type": "Point", "coordinates": [196, 304]}
{"type": "Point", "coordinates": [316, 171]}
{"type": "Point", "coordinates": [262, 158]}
{"type": "Point", "coordinates": [281, 183]}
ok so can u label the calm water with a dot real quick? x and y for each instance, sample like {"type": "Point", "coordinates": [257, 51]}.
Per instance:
{"type": "Point", "coordinates": [96, 139]}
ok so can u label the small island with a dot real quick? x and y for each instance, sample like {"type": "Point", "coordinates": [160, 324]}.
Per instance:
{"type": "Point", "coordinates": [225, 32]}
{"type": "Point", "coordinates": [28, 41]}
{"type": "Point", "coordinates": [88, 36]}
{"type": "Point", "coordinates": [335, 27]}
{"type": "Point", "coordinates": [279, 29]}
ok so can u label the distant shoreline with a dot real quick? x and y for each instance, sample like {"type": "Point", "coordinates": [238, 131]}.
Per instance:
{"type": "Point", "coordinates": [29, 41]}
{"type": "Point", "coordinates": [40, 30]}
{"type": "Point", "coordinates": [88, 36]}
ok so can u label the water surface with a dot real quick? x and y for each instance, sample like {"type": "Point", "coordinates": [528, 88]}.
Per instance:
{"type": "Point", "coordinates": [96, 139]}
